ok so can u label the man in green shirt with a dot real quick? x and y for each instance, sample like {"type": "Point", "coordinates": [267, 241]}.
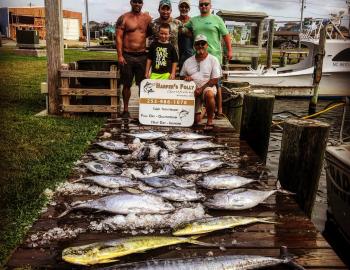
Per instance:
{"type": "Point", "coordinates": [214, 28]}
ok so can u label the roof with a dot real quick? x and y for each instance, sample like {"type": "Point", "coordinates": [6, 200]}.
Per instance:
{"type": "Point", "coordinates": [241, 16]}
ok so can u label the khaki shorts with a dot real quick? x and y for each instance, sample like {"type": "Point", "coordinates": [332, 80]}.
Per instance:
{"type": "Point", "coordinates": [201, 99]}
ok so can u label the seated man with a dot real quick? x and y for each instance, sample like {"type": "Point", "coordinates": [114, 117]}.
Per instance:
{"type": "Point", "coordinates": [205, 70]}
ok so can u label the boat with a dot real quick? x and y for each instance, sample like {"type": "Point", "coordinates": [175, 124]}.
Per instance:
{"type": "Point", "coordinates": [335, 73]}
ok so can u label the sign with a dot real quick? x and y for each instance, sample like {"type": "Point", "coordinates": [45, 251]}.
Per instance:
{"type": "Point", "coordinates": [167, 103]}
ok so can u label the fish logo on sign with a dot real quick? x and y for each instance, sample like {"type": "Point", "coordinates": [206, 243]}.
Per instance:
{"type": "Point", "coordinates": [183, 114]}
{"type": "Point", "coordinates": [148, 88]}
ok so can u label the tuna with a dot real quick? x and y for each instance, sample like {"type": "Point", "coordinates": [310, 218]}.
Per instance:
{"type": "Point", "coordinates": [201, 166]}
{"type": "Point", "coordinates": [111, 181]}
{"type": "Point", "coordinates": [187, 157]}
{"type": "Point", "coordinates": [102, 167]}
{"type": "Point", "coordinates": [166, 181]}
{"type": "Point", "coordinates": [108, 156]}
{"type": "Point", "coordinates": [150, 135]}
{"type": "Point", "coordinates": [113, 145]}
{"type": "Point", "coordinates": [188, 136]}
{"type": "Point", "coordinates": [198, 145]}
{"type": "Point", "coordinates": [224, 181]}
{"type": "Point", "coordinates": [176, 194]}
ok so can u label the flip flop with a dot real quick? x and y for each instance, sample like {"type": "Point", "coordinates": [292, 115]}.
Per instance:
{"type": "Point", "coordinates": [209, 127]}
{"type": "Point", "coordinates": [219, 116]}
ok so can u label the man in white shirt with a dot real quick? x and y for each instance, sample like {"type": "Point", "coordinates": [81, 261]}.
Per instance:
{"type": "Point", "coordinates": [205, 70]}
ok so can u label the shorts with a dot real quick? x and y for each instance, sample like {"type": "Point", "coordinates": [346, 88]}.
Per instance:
{"type": "Point", "coordinates": [201, 99]}
{"type": "Point", "coordinates": [160, 76]}
{"type": "Point", "coordinates": [135, 67]}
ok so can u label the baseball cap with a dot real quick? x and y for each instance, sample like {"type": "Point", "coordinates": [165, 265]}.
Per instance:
{"type": "Point", "coordinates": [185, 1]}
{"type": "Point", "coordinates": [164, 3]}
{"type": "Point", "coordinates": [200, 37]}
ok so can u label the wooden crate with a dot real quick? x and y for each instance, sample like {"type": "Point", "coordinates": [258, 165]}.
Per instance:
{"type": "Point", "coordinates": [69, 75]}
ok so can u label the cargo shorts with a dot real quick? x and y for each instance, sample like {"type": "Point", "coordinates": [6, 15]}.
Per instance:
{"type": "Point", "coordinates": [135, 67]}
{"type": "Point", "coordinates": [200, 100]}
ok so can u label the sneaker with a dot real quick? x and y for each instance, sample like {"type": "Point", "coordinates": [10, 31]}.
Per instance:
{"type": "Point", "coordinates": [125, 115]}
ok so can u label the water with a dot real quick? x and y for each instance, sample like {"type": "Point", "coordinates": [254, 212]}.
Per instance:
{"type": "Point", "coordinates": [334, 118]}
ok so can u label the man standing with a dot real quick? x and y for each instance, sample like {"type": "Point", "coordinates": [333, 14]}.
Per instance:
{"type": "Point", "coordinates": [204, 69]}
{"type": "Point", "coordinates": [213, 27]}
{"type": "Point", "coordinates": [165, 17]}
{"type": "Point", "coordinates": [131, 48]}
{"type": "Point", "coordinates": [185, 41]}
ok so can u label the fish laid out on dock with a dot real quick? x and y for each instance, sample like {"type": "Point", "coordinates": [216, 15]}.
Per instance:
{"type": "Point", "coordinates": [109, 251]}
{"type": "Point", "coordinates": [126, 203]}
{"type": "Point", "coordinates": [224, 181]}
{"type": "Point", "coordinates": [187, 157]}
{"type": "Point", "coordinates": [108, 156]}
{"type": "Point", "coordinates": [198, 145]}
{"type": "Point", "coordinates": [201, 166]}
{"type": "Point", "coordinates": [216, 223]}
{"type": "Point", "coordinates": [188, 136]}
{"type": "Point", "coordinates": [238, 199]}
{"type": "Point", "coordinates": [102, 167]}
{"type": "Point", "coordinates": [169, 145]}
{"type": "Point", "coordinates": [233, 262]}
{"type": "Point", "coordinates": [113, 145]}
{"type": "Point", "coordinates": [150, 135]}
{"type": "Point", "coordinates": [110, 181]}
{"type": "Point", "coordinates": [167, 181]}
{"type": "Point", "coordinates": [176, 194]}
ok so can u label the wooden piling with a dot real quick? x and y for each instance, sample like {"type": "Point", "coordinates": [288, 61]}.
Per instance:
{"type": "Point", "coordinates": [302, 151]}
{"type": "Point", "coordinates": [270, 44]}
{"type": "Point", "coordinates": [318, 69]}
{"type": "Point", "coordinates": [256, 122]}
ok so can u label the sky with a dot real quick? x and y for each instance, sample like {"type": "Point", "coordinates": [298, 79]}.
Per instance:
{"type": "Point", "coordinates": [280, 10]}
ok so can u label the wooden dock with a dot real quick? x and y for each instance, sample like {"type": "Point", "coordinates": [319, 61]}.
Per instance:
{"type": "Point", "coordinates": [293, 229]}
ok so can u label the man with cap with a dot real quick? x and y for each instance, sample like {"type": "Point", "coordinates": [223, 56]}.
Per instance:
{"type": "Point", "coordinates": [185, 41]}
{"type": "Point", "coordinates": [205, 70]}
{"type": "Point", "coordinates": [131, 34]}
{"type": "Point", "coordinates": [165, 17]}
{"type": "Point", "coordinates": [214, 28]}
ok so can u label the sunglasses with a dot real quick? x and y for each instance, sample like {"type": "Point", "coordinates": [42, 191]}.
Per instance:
{"type": "Point", "coordinates": [204, 4]}
{"type": "Point", "coordinates": [200, 43]}
{"type": "Point", "coordinates": [137, 1]}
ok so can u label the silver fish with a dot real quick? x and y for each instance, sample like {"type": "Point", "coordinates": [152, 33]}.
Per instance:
{"type": "Point", "coordinates": [224, 181]}
{"type": "Point", "coordinates": [176, 194]}
{"type": "Point", "coordinates": [147, 169]}
{"type": "Point", "coordinates": [113, 145]}
{"type": "Point", "coordinates": [108, 156]}
{"type": "Point", "coordinates": [111, 181]}
{"type": "Point", "coordinates": [150, 135]}
{"type": "Point", "coordinates": [233, 262]}
{"type": "Point", "coordinates": [238, 199]}
{"type": "Point", "coordinates": [198, 145]}
{"type": "Point", "coordinates": [102, 167]}
{"type": "Point", "coordinates": [167, 181]}
{"type": "Point", "coordinates": [169, 145]}
{"type": "Point", "coordinates": [188, 136]}
{"type": "Point", "coordinates": [162, 155]}
{"type": "Point", "coordinates": [126, 203]}
{"type": "Point", "coordinates": [143, 153]}
{"type": "Point", "coordinates": [187, 157]}
{"type": "Point", "coordinates": [202, 165]}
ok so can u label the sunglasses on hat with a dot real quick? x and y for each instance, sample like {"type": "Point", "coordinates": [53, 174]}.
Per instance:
{"type": "Point", "coordinates": [204, 4]}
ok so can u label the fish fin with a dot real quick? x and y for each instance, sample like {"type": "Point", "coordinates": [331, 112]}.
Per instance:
{"type": "Point", "coordinates": [200, 243]}
{"type": "Point", "coordinates": [68, 209]}
{"type": "Point", "coordinates": [108, 261]}
{"type": "Point", "coordinates": [78, 180]}
{"type": "Point", "coordinates": [279, 188]}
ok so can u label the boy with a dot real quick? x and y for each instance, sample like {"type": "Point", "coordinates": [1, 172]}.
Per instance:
{"type": "Point", "coordinates": [162, 57]}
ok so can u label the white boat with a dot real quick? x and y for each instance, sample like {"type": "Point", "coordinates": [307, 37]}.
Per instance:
{"type": "Point", "coordinates": [335, 74]}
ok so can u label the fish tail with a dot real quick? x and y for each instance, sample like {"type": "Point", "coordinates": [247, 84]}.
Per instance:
{"type": "Point", "coordinates": [279, 188]}
{"type": "Point", "coordinates": [68, 209]}
{"type": "Point", "coordinates": [288, 260]}
{"type": "Point", "coordinates": [193, 240]}
{"type": "Point", "coordinates": [268, 220]}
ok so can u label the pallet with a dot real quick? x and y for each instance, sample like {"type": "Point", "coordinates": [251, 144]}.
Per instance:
{"type": "Point", "coordinates": [69, 74]}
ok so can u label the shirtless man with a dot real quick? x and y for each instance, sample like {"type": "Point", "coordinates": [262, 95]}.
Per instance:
{"type": "Point", "coordinates": [131, 35]}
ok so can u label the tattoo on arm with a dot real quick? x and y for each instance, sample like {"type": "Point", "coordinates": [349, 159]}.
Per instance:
{"type": "Point", "coordinates": [120, 23]}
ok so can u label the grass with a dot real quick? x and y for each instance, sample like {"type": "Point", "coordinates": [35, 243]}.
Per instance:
{"type": "Point", "coordinates": [35, 152]}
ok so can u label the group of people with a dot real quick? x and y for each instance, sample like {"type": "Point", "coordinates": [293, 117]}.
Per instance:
{"type": "Point", "coordinates": [192, 44]}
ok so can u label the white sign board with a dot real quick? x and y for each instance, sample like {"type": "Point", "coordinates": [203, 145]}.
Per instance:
{"type": "Point", "coordinates": [167, 103]}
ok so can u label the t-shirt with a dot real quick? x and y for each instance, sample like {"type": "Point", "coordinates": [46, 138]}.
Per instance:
{"type": "Point", "coordinates": [213, 27]}
{"type": "Point", "coordinates": [201, 72]}
{"type": "Point", "coordinates": [174, 31]}
{"type": "Point", "coordinates": [163, 55]}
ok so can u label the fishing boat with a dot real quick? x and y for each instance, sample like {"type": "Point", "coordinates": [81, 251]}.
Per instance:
{"type": "Point", "coordinates": [335, 73]}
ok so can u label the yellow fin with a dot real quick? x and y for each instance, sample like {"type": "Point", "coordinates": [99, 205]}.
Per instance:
{"type": "Point", "coordinates": [108, 260]}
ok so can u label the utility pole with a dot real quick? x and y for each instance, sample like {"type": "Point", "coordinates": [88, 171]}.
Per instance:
{"type": "Point", "coordinates": [348, 2]}
{"type": "Point", "coordinates": [87, 27]}
{"type": "Point", "coordinates": [301, 20]}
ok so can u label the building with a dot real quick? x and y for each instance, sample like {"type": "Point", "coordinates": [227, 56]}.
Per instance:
{"type": "Point", "coordinates": [33, 18]}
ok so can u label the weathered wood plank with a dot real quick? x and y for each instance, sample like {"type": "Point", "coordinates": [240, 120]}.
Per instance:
{"type": "Point", "coordinates": [87, 92]}
{"type": "Point", "coordinates": [89, 108]}
{"type": "Point", "coordinates": [88, 74]}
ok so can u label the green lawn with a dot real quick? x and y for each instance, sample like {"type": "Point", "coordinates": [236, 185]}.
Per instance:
{"type": "Point", "coordinates": [35, 152]}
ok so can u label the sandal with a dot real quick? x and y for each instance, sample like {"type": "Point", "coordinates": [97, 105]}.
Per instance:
{"type": "Point", "coordinates": [208, 127]}
{"type": "Point", "coordinates": [219, 116]}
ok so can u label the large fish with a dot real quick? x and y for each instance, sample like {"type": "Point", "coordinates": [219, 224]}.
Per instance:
{"type": "Point", "coordinates": [176, 194]}
{"type": "Point", "coordinates": [233, 262]}
{"type": "Point", "coordinates": [166, 181]}
{"type": "Point", "coordinates": [216, 223]}
{"type": "Point", "coordinates": [188, 136]}
{"type": "Point", "coordinates": [200, 166]}
{"type": "Point", "coordinates": [126, 203]}
{"type": "Point", "coordinates": [111, 181]}
{"type": "Point", "coordinates": [169, 145]}
{"type": "Point", "coordinates": [238, 199]}
{"type": "Point", "coordinates": [108, 156]}
{"type": "Point", "coordinates": [102, 167]}
{"type": "Point", "coordinates": [224, 181]}
{"type": "Point", "coordinates": [187, 157]}
{"type": "Point", "coordinates": [149, 135]}
{"type": "Point", "coordinates": [110, 251]}
{"type": "Point", "coordinates": [198, 145]}
{"type": "Point", "coordinates": [113, 145]}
